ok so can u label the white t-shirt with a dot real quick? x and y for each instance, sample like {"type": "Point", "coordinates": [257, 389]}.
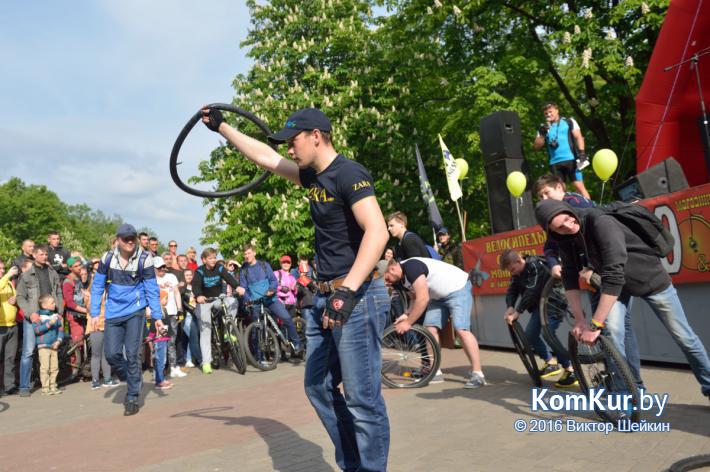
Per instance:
{"type": "Point", "coordinates": [167, 284]}
{"type": "Point", "coordinates": [442, 278]}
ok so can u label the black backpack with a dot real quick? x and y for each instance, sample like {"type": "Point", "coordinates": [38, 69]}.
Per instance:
{"type": "Point", "coordinates": [644, 224]}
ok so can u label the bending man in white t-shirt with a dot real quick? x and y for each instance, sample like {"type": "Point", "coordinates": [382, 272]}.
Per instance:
{"type": "Point", "coordinates": [442, 290]}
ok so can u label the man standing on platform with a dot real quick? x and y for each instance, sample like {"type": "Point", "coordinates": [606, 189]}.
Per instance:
{"type": "Point", "coordinates": [563, 141]}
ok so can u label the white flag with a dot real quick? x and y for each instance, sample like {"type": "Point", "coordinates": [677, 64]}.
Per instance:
{"type": "Point", "coordinates": [452, 172]}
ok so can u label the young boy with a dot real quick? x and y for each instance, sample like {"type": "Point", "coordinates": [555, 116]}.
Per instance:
{"type": "Point", "coordinates": [160, 336]}
{"type": "Point", "coordinates": [529, 275]}
{"type": "Point", "coordinates": [49, 332]}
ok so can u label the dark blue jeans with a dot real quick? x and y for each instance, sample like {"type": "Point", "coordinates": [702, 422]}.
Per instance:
{"type": "Point", "coordinates": [356, 422]}
{"type": "Point", "coordinates": [533, 330]}
{"type": "Point", "coordinates": [127, 333]}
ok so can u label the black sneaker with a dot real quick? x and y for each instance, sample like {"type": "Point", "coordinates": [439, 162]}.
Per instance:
{"type": "Point", "coordinates": [568, 380]}
{"type": "Point", "coordinates": [12, 391]}
{"type": "Point", "coordinates": [550, 370]}
{"type": "Point", "coordinates": [131, 407]}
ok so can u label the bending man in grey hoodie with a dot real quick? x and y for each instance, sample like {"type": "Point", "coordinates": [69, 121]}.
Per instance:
{"type": "Point", "coordinates": [592, 241]}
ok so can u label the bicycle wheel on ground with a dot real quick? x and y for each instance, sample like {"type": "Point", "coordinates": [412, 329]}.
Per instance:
{"type": "Point", "coordinates": [261, 346]}
{"type": "Point", "coordinates": [690, 463]}
{"type": "Point", "coordinates": [236, 348]}
{"type": "Point", "coordinates": [409, 360]}
{"type": "Point", "coordinates": [525, 351]}
{"type": "Point", "coordinates": [610, 372]}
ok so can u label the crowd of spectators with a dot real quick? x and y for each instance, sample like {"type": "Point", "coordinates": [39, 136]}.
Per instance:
{"type": "Point", "coordinates": [62, 278]}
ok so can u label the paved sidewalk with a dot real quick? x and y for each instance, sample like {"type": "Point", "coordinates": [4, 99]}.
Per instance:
{"type": "Point", "coordinates": [262, 422]}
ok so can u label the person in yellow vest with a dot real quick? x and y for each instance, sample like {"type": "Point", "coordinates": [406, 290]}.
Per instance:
{"type": "Point", "coordinates": [8, 326]}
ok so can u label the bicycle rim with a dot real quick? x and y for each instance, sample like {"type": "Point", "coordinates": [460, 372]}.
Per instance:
{"type": "Point", "coordinates": [409, 360]}
{"type": "Point", "coordinates": [262, 347]}
{"type": "Point", "coordinates": [522, 346]}
{"type": "Point", "coordinates": [611, 372]}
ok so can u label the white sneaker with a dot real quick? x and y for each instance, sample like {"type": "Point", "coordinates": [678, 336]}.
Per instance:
{"type": "Point", "coordinates": [189, 364]}
{"type": "Point", "coordinates": [176, 372]}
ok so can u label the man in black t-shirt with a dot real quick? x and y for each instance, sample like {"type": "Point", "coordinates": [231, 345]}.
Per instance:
{"type": "Point", "coordinates": [410, 243]}
{"type": "Point", "coordinates": [343, 335]}
{"type": "Point", "coordinates": [207, 283]}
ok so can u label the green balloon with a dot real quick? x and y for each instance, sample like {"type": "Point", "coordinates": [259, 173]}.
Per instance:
{"type": "Point", "coordinates": [516, 183]}
{"type": "Point", "coordinates": [604, 163]}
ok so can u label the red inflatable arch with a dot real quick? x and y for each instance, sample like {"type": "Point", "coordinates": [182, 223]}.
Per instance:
{"type": "Point", "coordinates": [668, 103]}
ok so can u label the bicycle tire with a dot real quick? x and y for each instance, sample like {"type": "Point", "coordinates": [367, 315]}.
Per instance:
{"type": "Point", "coordinates": [261, 346]}
{"type": "Point", "coordinates": [554, 309]}
{"type": "Point", "coordinates": [216, 345]}
{"type": "Point", "coordinates": [236, 348]}
{"type": "Point", "coordinates": [610, 372]}
{"type": "Point", "coordinates": [409, 360]}
{"type": "Point", "coordinates": [181, 139]}
{"type": "Point", "coordinates": [525, 351]}
{"type": "Point", "coordinates": [690, 463]}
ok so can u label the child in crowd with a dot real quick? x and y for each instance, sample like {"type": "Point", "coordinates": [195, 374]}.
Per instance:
{"type": "Point", "coordinates": [160, 341]}
{"type": "Point", "coordinates": [529, 275]}
{"type": "Point", "coordinates": [49, 332]}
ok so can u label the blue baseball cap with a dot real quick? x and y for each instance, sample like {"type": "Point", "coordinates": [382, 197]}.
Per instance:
{"type": "Point", "coordinates": [305, 119]}
{"type": "Point", "coordinates": [126, 231]}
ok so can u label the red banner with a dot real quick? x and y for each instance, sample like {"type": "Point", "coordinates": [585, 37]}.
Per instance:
{"type": "Point", "coordinates": [685, 213]}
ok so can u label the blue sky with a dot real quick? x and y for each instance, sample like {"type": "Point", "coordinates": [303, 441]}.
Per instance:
{"type": "Point", "coordinates": [95, 92]}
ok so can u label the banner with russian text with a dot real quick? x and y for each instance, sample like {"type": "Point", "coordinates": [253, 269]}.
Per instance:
{"type": "Point", "coordinates": [686, 214]}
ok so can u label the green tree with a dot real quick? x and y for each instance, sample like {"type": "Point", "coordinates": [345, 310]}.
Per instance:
{"type": "Point", "coordinates": [426, 67]}
{"type": "Point", "coordinates": [32, 211]}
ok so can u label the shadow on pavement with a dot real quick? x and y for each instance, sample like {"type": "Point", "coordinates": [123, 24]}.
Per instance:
{"type": "Point", "coordinates": [286, 448]}
{"type": "Point", "coordinates": [4, 406]}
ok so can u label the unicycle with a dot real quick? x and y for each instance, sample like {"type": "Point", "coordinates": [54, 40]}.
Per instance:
{"type": "Point", "coordinates": [608, 371]}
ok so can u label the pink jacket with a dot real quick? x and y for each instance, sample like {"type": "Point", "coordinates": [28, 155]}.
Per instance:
{"type": "Point", "coordinates": [285, 279]}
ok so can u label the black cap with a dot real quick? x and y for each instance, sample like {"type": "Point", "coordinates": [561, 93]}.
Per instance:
{"type": "Point", "coordinates": [305, 119]}
{"type": "Point", "coordinates": [442, 230]}
{"type": "Point", "coordinates": [126, 230]}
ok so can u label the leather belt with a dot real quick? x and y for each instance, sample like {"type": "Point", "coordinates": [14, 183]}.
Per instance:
{"type": "Point", "coordinates": [330, 285]}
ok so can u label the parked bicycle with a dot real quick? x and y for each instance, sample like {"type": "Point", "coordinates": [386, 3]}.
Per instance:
{"type": "Point", "coordinates": [409, 360]}
{"type": "Point", "coordinates": [265, 340]}
{"type": "Point", "coordinates": [227, 337]}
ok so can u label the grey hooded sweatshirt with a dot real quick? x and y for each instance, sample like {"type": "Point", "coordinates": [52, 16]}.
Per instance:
{"type": "Point", "coordinates": [607, 246]}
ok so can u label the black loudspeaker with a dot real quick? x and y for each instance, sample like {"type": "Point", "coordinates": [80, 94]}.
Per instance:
{"type": "Point", "coordinates": [507, 212]}
{"type": "Point", "coordinates": [501, 137]}
{"type": "Point", "coordinates": [664, 177]}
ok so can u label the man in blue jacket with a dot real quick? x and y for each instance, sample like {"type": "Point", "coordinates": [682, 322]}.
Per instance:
{"type": "Point", "coordinates": [257, 280]}
{"type": "Point", "coordinates": [127, 276]}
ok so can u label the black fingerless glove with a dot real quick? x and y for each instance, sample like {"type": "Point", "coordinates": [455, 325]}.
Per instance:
{"type": "Point", "coordinates": [215, 119]}
{"type": "Point", "coordinates": [340, 305]}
